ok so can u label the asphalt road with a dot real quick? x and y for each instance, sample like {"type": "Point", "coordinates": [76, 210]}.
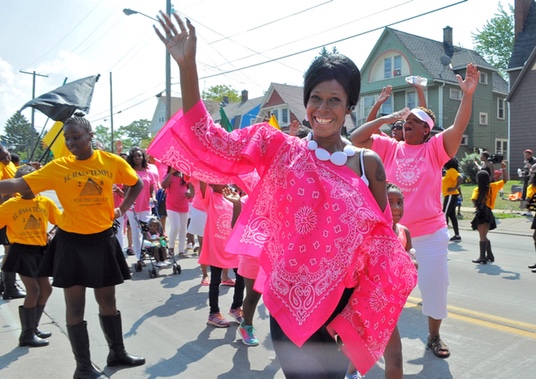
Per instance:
{"type": "Point", "coordinates": [490, 329]}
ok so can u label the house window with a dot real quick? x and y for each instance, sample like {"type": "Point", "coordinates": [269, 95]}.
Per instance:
{"type": "Point", "coordinates": [387, 106]}
{"type": "Point", "coordinates": [455, 94]}
{"type": "Point", "coordinates": [465, 140]}
{"type": "Point", "coordinates": [501, 104]}
{"type": "Point", "coordinates": [284, 116]}
{"type": "Point", "coordinates": [501, 146]}
{"type": "Point", "coordinates": [483, 78]}
{"type": "Point", "coordinates": [275, 112]}
{"type": "Point", "coordinates": [392, 67]}
{"type": "Point", "coordinates": [483, 118]}
{"type": "Point", "coordinates": [411, 99]}
{"type": "Point", "coordinates": [367, 103]}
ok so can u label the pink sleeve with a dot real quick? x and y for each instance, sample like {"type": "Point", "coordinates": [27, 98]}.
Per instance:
{"type": "Point", "coordinates": [194, 145]}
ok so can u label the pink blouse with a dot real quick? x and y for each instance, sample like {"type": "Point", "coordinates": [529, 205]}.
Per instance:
{"type": "Point", "coordinates": [176, 195]}
{"type": "Point", "coordinates": [316, 228]}
{"type": "Point", "coordinates": [417, 170]}
{"type": "Point", "coordinates": [217, 229]}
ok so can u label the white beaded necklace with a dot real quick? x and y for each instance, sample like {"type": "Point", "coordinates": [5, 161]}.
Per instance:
{"type": "Point", "coordinates": [338, 158]}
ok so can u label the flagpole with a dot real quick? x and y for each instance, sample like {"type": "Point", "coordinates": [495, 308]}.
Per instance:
{"type": "Point", "coordinates": [111, 114]}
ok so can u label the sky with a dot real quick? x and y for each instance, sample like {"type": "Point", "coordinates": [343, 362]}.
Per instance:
{"type": "Point", "coordinates": [242, 44]}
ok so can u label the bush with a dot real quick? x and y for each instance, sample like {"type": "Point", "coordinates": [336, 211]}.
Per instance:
{"type": "Point", "coordinates": [468, 167]}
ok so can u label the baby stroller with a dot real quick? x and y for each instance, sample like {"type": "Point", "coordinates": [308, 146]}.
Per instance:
{"type": "Point", "coordinates": [149, 249]}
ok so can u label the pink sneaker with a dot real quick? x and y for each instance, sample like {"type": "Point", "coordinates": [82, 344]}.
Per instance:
{"type": "Point", "coordinates": [217, 320]}
{"type": "Point", "coordinates": [237, 314]}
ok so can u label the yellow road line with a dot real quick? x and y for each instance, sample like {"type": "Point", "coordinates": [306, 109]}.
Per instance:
{"type": "Point", "coordinates": [482, 319]}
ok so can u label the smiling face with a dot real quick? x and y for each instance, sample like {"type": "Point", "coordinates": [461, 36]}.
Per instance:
{"type": "Point", "coordinates": [327, 108]}
{"type": "Point", "coordinates": [416, 131]}
{"type": "Point", "coordinates": [396, 202]}
{"type": "Point", "coordinates": [78, 140]}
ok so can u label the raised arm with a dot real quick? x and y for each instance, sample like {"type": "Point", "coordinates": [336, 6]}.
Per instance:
{"type": "Point", "coordinates": [452, 137]}
{"type": "Point", "coordinates": [420, 94]}
{"type": "Point", "coordinates": [362, 136]}
{"type": "Point", "coordinates": [384, 95]}
{"type": "Point", "coordinates": [182, 47]}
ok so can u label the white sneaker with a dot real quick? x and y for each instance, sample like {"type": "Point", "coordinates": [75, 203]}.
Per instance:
{"type": "Point", "coordinates": [189, 246]}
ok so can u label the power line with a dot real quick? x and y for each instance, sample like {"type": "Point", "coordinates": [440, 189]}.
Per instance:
{"type": "Point", "coordinates": [331, 43]}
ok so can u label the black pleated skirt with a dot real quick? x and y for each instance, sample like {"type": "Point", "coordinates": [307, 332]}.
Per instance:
{"type": "Point", "coordinates": [483, 215]}
{"type": "Point", "coordinates": [89, 260]}
{"type": "Point", "coordinates": [24, 259]}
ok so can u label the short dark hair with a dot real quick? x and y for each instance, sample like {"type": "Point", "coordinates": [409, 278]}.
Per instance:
{"type": "Point", "coordinates": [329, 67]}
{"type": "Point", "coordinates": [15, 158]}
{"type": "Point", "coordinates": [23, 170]}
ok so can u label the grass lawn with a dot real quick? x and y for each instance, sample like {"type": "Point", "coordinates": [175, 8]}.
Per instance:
{"type": "Point", "coordinates": [510, 208]}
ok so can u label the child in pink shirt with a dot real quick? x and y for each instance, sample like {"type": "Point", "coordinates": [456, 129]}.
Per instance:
{"type": "Point", "coordinates": [217, 230]}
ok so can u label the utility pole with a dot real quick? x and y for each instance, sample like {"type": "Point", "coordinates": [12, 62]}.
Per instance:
{"type": "Point", "coordinates": [34, 74]}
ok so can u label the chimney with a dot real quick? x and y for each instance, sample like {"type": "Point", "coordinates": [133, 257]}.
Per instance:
{"type": "Point", "coordinates": [522, 8]}
{"type": "Point", "coordinates": [447, 35]}
{"type": "Point", "coordinates": [225, 100]}
{"type": "Point", "coordinates": [244, 95]}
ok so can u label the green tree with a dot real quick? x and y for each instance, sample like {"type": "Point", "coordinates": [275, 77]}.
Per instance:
{"type": "Point", "coordinates": [495, 41]}
{"type": "Point", "coordinates": [104, 137]}
{"type": "Point", "coordinates": [21, 138]}
{"type": "Point", "coordinates": [216, 93]}
{"type": "Point", "coordinates": [468, 168]}
{"type": "Point", "coordinates": [134, 134]}
{"type": "Point", "coordinates": [324, 52]}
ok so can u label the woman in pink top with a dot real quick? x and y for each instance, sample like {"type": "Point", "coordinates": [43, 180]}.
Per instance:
{"type": "Point", "coordinates": [142, 206]}
{"type": "Point", "coordinates": [336, 276]}
{"type": "Point", "coordinates": [415, 165]}
{"type": "Point", "coordinates": [179, 195]}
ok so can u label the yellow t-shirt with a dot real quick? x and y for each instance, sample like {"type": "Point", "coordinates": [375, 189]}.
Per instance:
{"type": "Point", "coordinates": [84, 189]}
{"type": "Point", "coordinates": [495, 188]}
{"type": "Point", "coordinates": [450, 180]}
{"type": "Point", "coordinates": [531, 190]}
{"type": "Point", "coordinates": [27, 220]}
{"type": "Point", "coordinates": [7, 171]}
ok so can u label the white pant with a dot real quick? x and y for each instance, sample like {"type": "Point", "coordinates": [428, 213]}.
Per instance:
{"type": "Point", "coordinates": [136, 230]}
{"type": "Point", "coordinates": [178, 223]}
{"type": "Point", "coordinates": [431, 251]}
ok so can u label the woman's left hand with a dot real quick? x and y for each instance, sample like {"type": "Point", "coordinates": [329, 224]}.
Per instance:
{"type": "Point", "coordinates": [471, 79]}
{"type": "Point", "coordinates": [181, 45]}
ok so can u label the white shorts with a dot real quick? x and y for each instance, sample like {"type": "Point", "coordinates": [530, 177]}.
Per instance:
{"type": "Point", "coordinates": [198, 219]}
{"type": "Point", "coordinates": [431, 252]}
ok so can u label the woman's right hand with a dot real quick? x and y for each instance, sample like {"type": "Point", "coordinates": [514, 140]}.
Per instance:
{"type": "Point", "coordinates": [181, 46]}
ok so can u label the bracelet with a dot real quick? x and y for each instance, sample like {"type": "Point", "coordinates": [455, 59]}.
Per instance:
{"type": "Point", "coordinates": [120, 212]}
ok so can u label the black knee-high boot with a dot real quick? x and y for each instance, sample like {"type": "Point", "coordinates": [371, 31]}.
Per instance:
{"type": "Point", "coordinates": [80, 344]}
{"type": "Point", "coordinates": [489, 255]}
{"type": "Point", "coordinates": [534, 265]}
{"type": "Point", "coordinates": [38, 313]}
{"type": "Point", "coordinates": [113, 332]}
{"type": "Point", "coordinates": [11, 290]}
{"type": "Point", "coordinates": [482, 259]}
{"type": "Point", "coordinates": [27, 335]}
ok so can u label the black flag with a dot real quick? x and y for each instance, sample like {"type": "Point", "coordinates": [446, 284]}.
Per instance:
{"type": "Point", "coordinates": [61, 103]}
